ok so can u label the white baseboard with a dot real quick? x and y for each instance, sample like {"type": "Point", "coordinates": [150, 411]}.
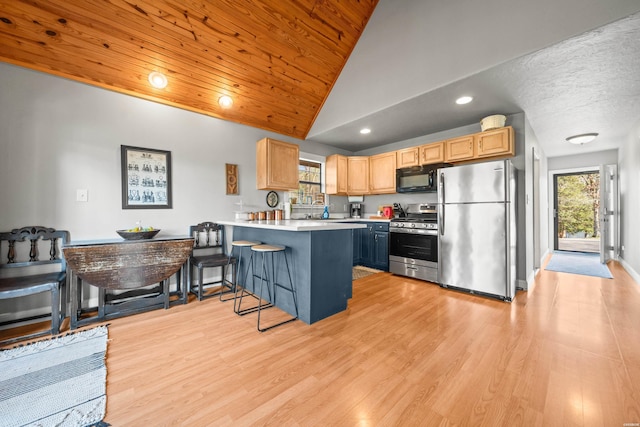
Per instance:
{"type": "Point", "coordinates": [544, 256]}
{"type": "Point", "coordinates": [634, 274]}
{"type": "Point", "coordinates": [37, 308]}
{"type": "Point", "coordinates": [25, 314]}
{"type": "Point", "coordinates": [522, 284]}
{"type": "Point", "coordinates": [525, 284]}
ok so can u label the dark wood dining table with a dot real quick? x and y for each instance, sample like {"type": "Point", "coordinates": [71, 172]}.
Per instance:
{"type": "Point", "coordinates": [130, 268]}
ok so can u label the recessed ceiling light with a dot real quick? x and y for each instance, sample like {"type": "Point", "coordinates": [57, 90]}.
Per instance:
{"type": "Point", "coordinates": [464, 100]}
{"type": "Point", "coordinates": [365, 131]}
{"type": "Point", "coordinates": [582, 138]}
{"type": "Point", "coordinates": [225, 101]}
{"type": "Point", "coordinates": [158, 80]}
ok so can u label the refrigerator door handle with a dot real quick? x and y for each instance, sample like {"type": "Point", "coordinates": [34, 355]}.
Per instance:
{"type": "Point", "coordinates": [441, 207]}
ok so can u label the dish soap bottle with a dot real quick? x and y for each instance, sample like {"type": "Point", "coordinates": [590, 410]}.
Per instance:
{"type": "Point", "coordinates": [325, 214]}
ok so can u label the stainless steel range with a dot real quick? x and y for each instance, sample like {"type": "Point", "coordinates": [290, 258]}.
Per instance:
{"type": "Point", "coordinates": [413, 243]}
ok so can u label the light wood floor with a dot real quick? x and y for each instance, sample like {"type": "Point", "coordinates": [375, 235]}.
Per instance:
{"type": "Point", "coordinates": [406, 353]}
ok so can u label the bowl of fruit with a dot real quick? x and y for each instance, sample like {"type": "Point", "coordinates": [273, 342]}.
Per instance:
{"type": "Point", "coordinates": [138, 233]}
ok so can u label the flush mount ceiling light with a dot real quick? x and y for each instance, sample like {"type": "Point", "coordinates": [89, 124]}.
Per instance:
{"type": "Point", "coordinates": [582, 138]}
{"type": "Point", "coordinates": [464, 100]}
{"type": "Point", "coordinates": [365, 131]}
{"type": "Point", "coordinates": [225, 101]}
{"type": "Point", "coordinates": [158, 80]}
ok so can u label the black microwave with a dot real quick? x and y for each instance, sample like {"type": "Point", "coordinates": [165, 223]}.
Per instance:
{"type": "Point", "coordinates": [418, 179]}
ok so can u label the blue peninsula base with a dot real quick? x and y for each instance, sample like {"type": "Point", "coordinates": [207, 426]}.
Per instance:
{"type": "Point", "coordinates": [320, 262]}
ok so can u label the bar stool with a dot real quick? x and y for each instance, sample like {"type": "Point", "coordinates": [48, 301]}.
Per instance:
{"type": "Point", "coordinates": [264, 276]}
{"type": "Point", "coordinates": [237, 247]}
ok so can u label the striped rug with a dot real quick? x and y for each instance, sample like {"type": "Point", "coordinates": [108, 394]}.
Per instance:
{"type": "Point", "coordinates": [360, 272]}
{"type": "Point", "coordinates": [56, 382]}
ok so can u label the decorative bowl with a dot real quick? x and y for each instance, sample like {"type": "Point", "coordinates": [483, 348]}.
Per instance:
{"type": "Point", "coordinates": [137, 235]}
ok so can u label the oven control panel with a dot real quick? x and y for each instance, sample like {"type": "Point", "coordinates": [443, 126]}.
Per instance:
{"type": "Point", "coordinates": [417, 225]}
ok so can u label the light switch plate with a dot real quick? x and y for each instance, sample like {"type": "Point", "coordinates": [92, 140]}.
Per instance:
{"type": "Point", "coordinates": [82, 195]}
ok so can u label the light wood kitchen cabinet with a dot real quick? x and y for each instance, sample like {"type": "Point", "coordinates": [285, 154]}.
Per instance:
{"type": "Point", "coordinates": [459, 149]}
{"type": "Point", "coordinates": [497, 142]}
{"type": "Point", "coordinates": [382, 173]}
{"type": "Point", "coordinates": [432, 153]}
{"type": "Point", "coordinates": [407, 157]}
{"type": "Point", "coordinates": [358, 175]}
{"type": "Point", "coordinates": [336, 174]}
{"type": "Point", "coordinates": [276, 165]}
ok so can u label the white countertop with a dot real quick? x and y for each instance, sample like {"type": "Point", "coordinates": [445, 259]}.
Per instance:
{"type": "Point", "coordinates": [349, 219]}
{"type": "Point", "coordinates": [299, 224]}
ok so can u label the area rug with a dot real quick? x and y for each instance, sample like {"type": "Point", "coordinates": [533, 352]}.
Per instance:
{"type": "Point", "coordinates": [578, 263]}
{"type": "Point", "coordinates": [360, 271]}
{"type": "Point", "coordinates": [56, 382]}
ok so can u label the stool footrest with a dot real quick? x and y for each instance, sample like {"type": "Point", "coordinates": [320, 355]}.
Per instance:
{"type": "Point", "coordinates": [277, 324]}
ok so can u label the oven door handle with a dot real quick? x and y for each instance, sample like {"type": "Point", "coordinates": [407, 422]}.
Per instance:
{"type": "Point", "coordinates": [441, 200]}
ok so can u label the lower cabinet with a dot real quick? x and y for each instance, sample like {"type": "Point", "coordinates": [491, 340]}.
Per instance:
{"type": "Point", "coordinates": [357, 245]}
{"type": "Point", "coordinates": [380, 252]}
{"type": "Point", "coordinates": [371, 246]}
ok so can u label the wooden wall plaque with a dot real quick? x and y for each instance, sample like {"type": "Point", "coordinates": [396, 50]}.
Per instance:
{"type": "Point", "coordinates": [232, 178]}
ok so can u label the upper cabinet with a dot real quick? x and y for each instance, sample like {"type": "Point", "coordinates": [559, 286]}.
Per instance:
{"type": "Point", "coordinates": [382, 173]}
{"type": "Point", "coordinates": [276, 165]}
{"type": "Point", "coordinates": [407, 157]}
{"type": "Point", "coordinates": [377, 174]}
{"type": "Point", "coordinates": [423, 155]}
{"type": "Point", "coordinates": [497, 142]}
{"type": "Point", "coordinates": [358, 175]}
{"type": "Point", "coordinates": [336, 175]}
{"type": "Point", "coordinates": [432, 153]}
{"type": "Point", "coordinates": [492, 143]}
{"type": "Point", "coordinates": [459, 149]}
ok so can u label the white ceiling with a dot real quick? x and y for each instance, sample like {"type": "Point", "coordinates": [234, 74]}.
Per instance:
{"type": "Point", "coordinates": [544, 58]}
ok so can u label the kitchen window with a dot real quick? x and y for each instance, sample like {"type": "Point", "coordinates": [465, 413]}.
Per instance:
{"type": "Point", "coordinates": [310, 186]}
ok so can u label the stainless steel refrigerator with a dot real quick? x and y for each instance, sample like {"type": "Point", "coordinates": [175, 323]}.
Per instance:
{"type": "Point", "coordinates": [477, 224]}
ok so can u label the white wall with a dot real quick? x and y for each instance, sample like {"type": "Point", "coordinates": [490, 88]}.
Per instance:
{"type": "Point", "coordinates": [629, 172]}
{"type": "Point", "coordinates": [595, 159]}
{"type": "Point", "coordinates": [57, 136]}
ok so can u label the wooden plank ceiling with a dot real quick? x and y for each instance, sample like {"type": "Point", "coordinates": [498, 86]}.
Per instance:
{"type": "Point", "coordinates": [277, 59]}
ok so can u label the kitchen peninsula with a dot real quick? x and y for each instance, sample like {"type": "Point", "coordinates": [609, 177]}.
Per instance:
{"type": "Point", "coordinates": [320, 254]}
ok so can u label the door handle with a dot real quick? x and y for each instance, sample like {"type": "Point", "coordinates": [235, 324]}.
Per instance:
{"type": "Point", "coordinates": [441, 207]}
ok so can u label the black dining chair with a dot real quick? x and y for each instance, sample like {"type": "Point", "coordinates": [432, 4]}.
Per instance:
{"type": "Point", "coordinates": [23, 247]}
{"type": "Point", "coordinates": [209, 251]}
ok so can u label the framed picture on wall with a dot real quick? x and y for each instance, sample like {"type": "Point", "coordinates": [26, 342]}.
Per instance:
{"type": "Point", "coordinates": [146, 178]}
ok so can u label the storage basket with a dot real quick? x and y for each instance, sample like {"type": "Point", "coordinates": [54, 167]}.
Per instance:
{"type": "Point", "coordinates": [492, 122]}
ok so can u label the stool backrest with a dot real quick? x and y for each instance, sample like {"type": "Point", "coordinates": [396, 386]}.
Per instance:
{"type": "Point", "coordinates": [28, 254]}
{"type": "Point", "coordinates": [208, 235]}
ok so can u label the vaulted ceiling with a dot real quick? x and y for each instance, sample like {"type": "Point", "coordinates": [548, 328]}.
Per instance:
{"type": "Point", "coordinates": [277, 60]}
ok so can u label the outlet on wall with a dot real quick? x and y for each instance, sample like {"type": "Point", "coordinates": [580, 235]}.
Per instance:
{"type": "Point", "coordinates": [82, 195]}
